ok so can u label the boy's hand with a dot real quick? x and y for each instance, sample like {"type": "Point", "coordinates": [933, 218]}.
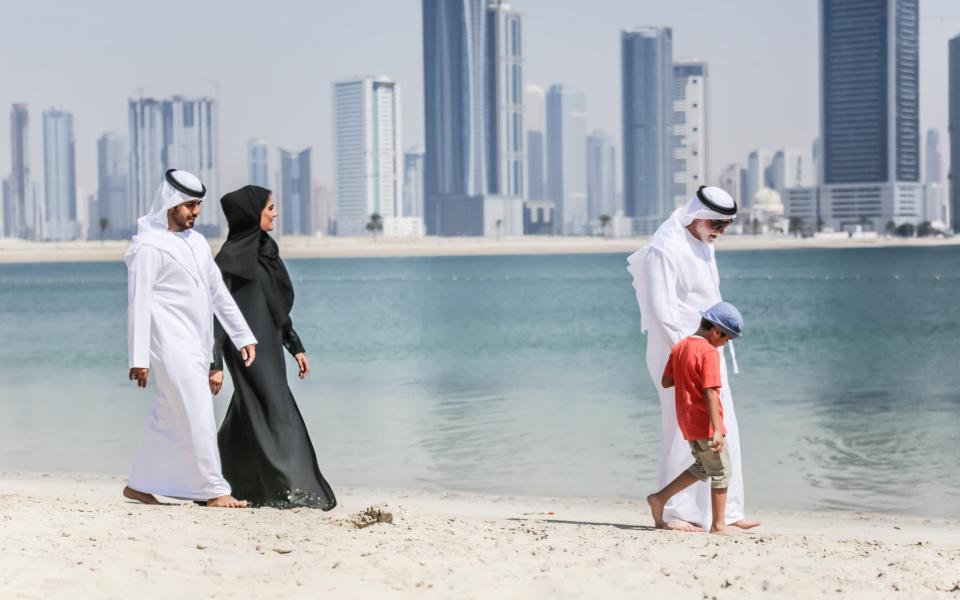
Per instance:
{"type": "Point", "coordinates": [719, 441]}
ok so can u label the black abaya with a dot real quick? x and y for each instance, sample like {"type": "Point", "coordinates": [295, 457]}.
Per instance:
{"type": "Point", "coordinates": [265, 450]}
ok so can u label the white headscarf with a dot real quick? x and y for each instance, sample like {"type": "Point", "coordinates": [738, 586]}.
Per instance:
{"type": "Point", "coordinates": [696, 209]}
{"type": "Point", "coordinates": [153, 228]}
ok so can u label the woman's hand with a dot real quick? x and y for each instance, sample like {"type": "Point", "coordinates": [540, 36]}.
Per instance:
{"type": "Point", "coordinates": [216, 382]}
{"type": "Point", "coordinates": [303, 364]}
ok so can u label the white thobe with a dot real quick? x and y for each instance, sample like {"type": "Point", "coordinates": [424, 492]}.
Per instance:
{"type": "Point", "coordinates": [676, 278]}
{"type": "Point", "coordinates": [173, 294]}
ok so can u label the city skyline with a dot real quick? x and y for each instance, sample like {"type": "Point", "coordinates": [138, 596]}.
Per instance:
{"type": "Point", "coordinates": [775, 49]}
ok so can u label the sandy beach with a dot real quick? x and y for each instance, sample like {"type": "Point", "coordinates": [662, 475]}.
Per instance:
{"type": "Point", "coordinates": [74, 536]}
{"type": "Point", "coordinates": [20, 251]}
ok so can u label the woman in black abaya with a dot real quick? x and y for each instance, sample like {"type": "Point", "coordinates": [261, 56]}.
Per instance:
{"type": "Point", "coordinates": [265, 450]}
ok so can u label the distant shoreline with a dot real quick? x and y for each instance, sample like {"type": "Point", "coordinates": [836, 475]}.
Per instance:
{"type": "Point", "coordinates": [20, 251]}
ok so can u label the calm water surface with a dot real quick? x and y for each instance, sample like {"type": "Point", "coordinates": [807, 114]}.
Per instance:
{"type": "Point", "coordinates": [525, 374]}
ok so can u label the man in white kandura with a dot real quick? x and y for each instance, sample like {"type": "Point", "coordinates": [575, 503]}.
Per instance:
{"type": "Point", "coordinates": [675, 277]}
{"type": "Point", "coordinates": [174, 289]}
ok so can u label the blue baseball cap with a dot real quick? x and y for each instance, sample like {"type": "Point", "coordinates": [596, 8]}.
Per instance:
{"type": "Point", "coordinates": [725, 316]}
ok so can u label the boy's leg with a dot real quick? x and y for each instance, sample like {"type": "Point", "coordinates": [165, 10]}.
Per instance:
{"type": "Point", "coordinates": [718, 502]}
{"type": "Point", "coordinates": [659, 500]}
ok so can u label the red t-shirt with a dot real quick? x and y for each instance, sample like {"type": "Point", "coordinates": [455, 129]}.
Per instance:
{"type": "Point", "coordinates": [694, 366]}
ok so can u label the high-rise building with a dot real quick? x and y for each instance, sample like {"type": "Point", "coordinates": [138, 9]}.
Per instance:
{"type": "Point", "coordinates": [504, 102]}
{"type": "Point", "coordinates": [730, 181]}
{"type": "Point", "coordinates": [17, 218]}
{"type": "Point", "coordinates": [4, 204]}
{"type": "Point", "coordinates": [413, 182]}
{"type": "Point", "coordinates": [324, 210]}
{"type": "Point", "coordinates": [258, 157]}
{"type": "Point", "coordinates": [933, 158]}
{"type": "Point", "coordinates": [647, 88]}
{"type": "Point", "coordinates": [176, 133]}
{"type": "Point", "coordinates": [601, 176]}
{"type": "Point", "coordinates": [869, 115]}
{"type": "Point", "coordinates": [689, 129]}
{"type": "Point", "coordinates": [113, 203]}
{"type": "Point", "coordinates": [801, 207]}
{"type": "Point", "coordinates": [368, 155]}
{"type": "Point", "coordinates": [59, 176]}
{"type": "Point", "coordinates": [534, 118]}
{"type": "Point", "coordinates": [295, 186]}
{"type": "Point", "coordinates": [954, 86]}
{"type": "Point", "coordinates": [755, 176]}
{"type": "Point", "coordinates": [566, 158]}
{"type": "Point", "coordinates": [454, 39]}
{"type": "Point", "coordinates": [473, 86]}
{"type": "Point", "coordinates": [817, 154]}
{"type": "Point", "coordinates": [786, 170]}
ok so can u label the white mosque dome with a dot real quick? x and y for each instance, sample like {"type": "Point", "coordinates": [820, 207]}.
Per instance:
{"type": "Point", "coordinates": [768, 201]}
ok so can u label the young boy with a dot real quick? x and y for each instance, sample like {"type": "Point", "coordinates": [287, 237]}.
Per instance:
{"type": "Point", "coordinates": [694, 368]}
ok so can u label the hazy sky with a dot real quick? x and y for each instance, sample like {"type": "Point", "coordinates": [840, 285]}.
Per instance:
{"type": "Point", "coordinates": [271, 66]}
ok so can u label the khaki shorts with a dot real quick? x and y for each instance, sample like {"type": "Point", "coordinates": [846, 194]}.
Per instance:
{"type": "Point", "coordinates": [708, 463]}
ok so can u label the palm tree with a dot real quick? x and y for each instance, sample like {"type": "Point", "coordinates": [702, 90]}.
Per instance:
{"type": "Point", "coordinates": [499, 228]}
{"type": "Point", "coordinates": [796, 224]}
{"type": "Point", "coordinates": [604, 223]}
{"type": "Point", "coordinates": [375, 225]}
{"type": "Point", "coordinates": [104, 223]}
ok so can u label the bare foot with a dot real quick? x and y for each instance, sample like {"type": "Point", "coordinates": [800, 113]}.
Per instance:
{"type": "Point", "coordinates": [678, 525]}
{"type": "Point", "coordinates": [132, 494]}
{"type": "Point", "coordinates": [226, 502]}
{"type": "Point", "coordinates": [745, 524]}
{"type": "Point", "coordinates": [656, 509]}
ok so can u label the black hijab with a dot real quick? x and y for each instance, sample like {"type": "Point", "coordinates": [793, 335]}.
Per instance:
{"type": "Point", "coordinates": [250, 253]}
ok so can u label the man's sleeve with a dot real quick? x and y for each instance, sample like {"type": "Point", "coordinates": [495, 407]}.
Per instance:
{"type": "Point", "coordinates": [227, 311]}
{"type": "Point", "coordinates": [141, 277]}
{"type": "Point", "coordinates": [658, 295]}
{"type": "Point", "coordinates": [710, 370]}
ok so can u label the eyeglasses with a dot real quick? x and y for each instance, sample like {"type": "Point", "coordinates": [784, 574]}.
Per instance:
{"type": "Point", "coordinates": [719, 225]}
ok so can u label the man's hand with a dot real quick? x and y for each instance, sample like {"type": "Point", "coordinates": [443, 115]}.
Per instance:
{"type": "Point", "coordinates": [303, 364]}
{"type": "Point", "coordinates": [140, 376]}
{"type": "Point", "coordinates": [248, 353]}
{"type": "Point", "coordinates": [216, 382]}
{"type": "Point", "coordinates": [719, 441]}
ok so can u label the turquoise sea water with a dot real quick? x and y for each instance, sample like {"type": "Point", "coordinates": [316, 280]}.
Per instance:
{"type": "Point", "coordinates": [525, 374]}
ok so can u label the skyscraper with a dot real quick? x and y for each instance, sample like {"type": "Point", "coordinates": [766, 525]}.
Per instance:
{"type": "Point", "coordinates": [113, 163]}
{"type": "Point", "coordinates": [413, 182]}
{"type": "Point", "coordinates": [368, 153]}
{"type": "Point", "coordinates": [295, 187]}
{"type": "Point", "coordinates": [730, 180]}
{"type": "Point", "coordinates": [504, 102]}
{"type": "Point", "coordinates": [869, 116]}
{"type": "Point", "coordinates": [258, 157]}
{"type": "Point", "coordinates": [17, 219]}
{"type": "Point", "coordinates": [566, 158]}
{"type": "Point", "coordinates": [786, 170]}
{"type": "Point", "coordinates": [755, 176]}
{"type": "Point", "coordinates": [454, 36]}
{"type": "Point", "coordinates": [4, 204]}
{"type": "Point", "coordinates": [534, 118]}
{"type": "Point", "coordinates": [176, 133]}
{"type": "Point", "coordinates": [323, 212]}
{"type": "Point", "coordinates": [954, 82]}
{"type": "Point", "coordinates": [59, 176]}
{"type": "Point", "coordinates": [647, 88]}
{"type": "Point", "coordinates": [601, 176]}
{"type": "Point", "coordinates": [689, 129]}
{"type": "Point", "coordinates": [933, 158]}
{"type": "Point", "coordinates": [473, 85]}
